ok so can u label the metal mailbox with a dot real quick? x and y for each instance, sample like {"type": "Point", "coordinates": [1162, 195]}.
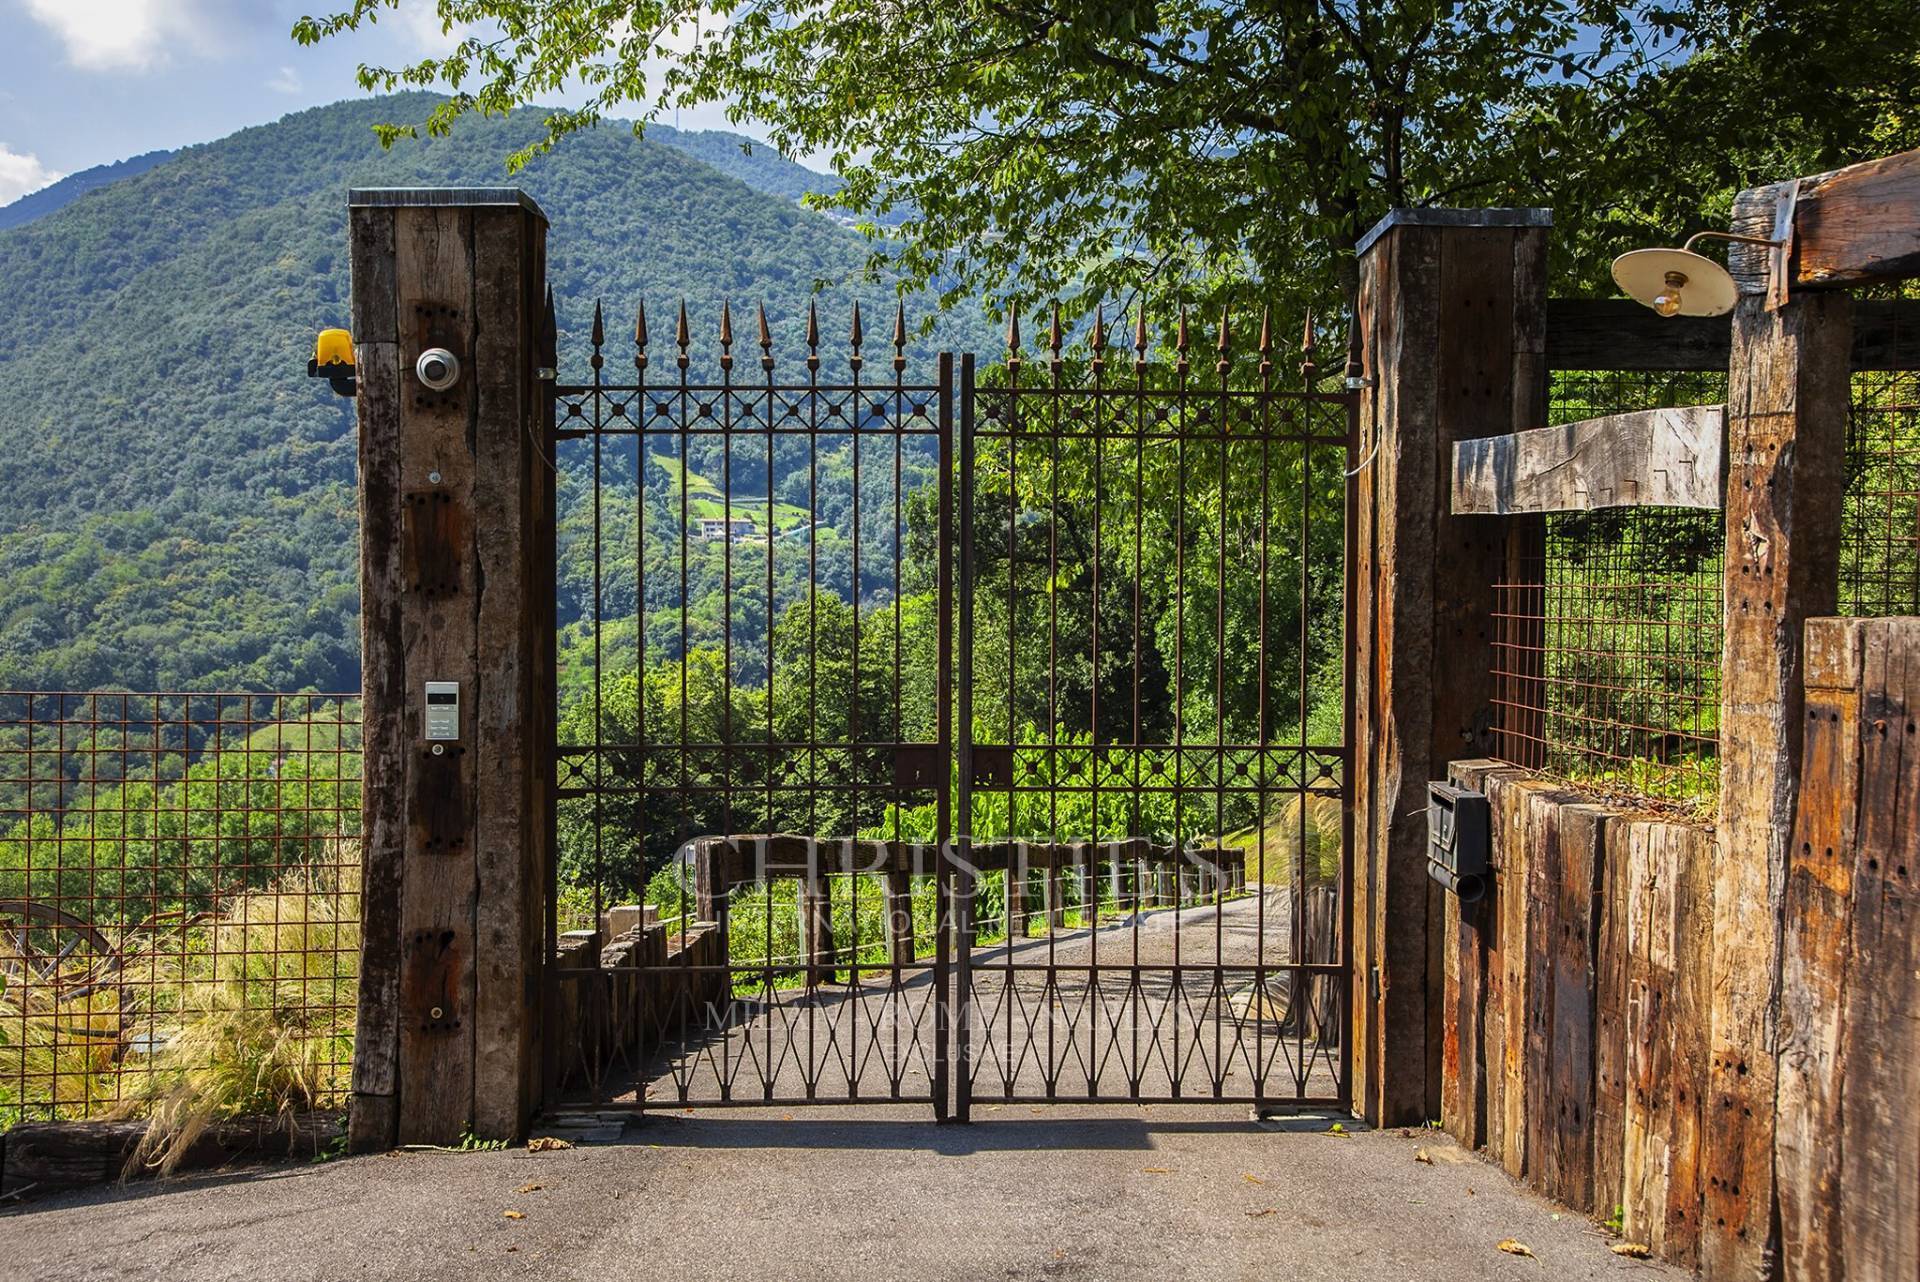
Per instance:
{"type": "Point", "coordinates": [1459, 840]}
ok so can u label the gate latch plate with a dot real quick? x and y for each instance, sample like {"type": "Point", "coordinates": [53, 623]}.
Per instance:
{"type": "Point", "coordinates": [919, 765]}
{"type": "Point", "coordinates": [992, 766]}
{"type": "Point", "coordinates": [436, 531]}
{"type": "Point", "coordinates": [430, 989]}
{"type": "Point", "coordinates": [439, 809]}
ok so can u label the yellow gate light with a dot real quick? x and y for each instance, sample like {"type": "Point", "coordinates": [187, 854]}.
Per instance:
{"type": "Point", "coordinates": [333, 360]}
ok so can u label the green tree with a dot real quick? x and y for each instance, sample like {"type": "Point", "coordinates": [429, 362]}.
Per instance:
{"type": "Point", "coordinates": [1035, 147]}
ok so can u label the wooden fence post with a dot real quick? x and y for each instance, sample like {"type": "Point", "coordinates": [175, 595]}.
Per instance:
{"type": "Point", "coordinates": [1451, 319]}
{"type": "Point", "coordinates": [1016, 891]}
{"type": "Point", "coordinates": [456, 506]}
{"type": "Point", "coordinates": [899, 917]}
{"type": "Point", "coordinates": [817, 928]}
{"type": "Point", "coordinates": [1819, 910]}
{"type": "Point", "coordinates": [1879, 1222]}
{"type": "Point", "coordinates": [1787, 405]}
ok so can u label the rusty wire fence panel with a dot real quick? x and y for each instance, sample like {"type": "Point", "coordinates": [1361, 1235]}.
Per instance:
{"type": "Point", "coordinates": [1607, 641]}
{"type": "Point", "coordinates": [1155, 764]}
{"type": "Point", "coordinates": [1880, 548]}
{"type": "Point", "coordinates": [179, 896]}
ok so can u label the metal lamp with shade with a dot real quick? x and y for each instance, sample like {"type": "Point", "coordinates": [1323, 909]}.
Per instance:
{"type": "Point", "coordinates": [1679, 282]}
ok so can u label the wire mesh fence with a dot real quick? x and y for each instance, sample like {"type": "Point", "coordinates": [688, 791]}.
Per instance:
{"type": "Point", "coordinates": [1880, 546]}
{"type": "Point", "coordinates": [1608, 629]}
{"type": "Point", "coordinates": [179, 901]}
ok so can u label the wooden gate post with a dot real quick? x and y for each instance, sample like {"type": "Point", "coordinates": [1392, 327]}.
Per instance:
{"type": "Point", "coordinates": [1452, 331]}
{"type": "Point", "coordinates": [1787, 404]}
{"type": "Point", "coordinates": [456, 519]}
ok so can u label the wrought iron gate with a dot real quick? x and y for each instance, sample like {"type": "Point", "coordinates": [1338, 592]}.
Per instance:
{"type": "Point", "coordinates": [1155, 759]}
{"type": "Point", "coordinates": [784, 878]}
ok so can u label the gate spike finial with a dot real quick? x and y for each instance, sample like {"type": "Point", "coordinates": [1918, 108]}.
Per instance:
{"type": "Point", "coordinates": [1140, 331]}
{"type": "Point", "coordinates": [680, 337]}
{"type": "Point", "coordinates": [766, 339]}
{"type": "Point", "coordinates": [1266, 341]}
{"type": "Point", "coordinates": [813, 336]}
{"type": "Point", "coordinates": [1098, 339]}
{"type": "Point", "coordinates": [900, 336]}
{"type": "Point", "coordinates": [854, 339]}
{"type": "Point", "coordinates": [1180, 341]}
{"type": "Point", "coordinates": [1053, 336]}
{"type": "Point", "coordinates": [599, 338]}
{"type": "Point", "coordinates": [1225, 344]}
{"type": "Point", "coordinates": [726, 334]}
{"type": "Point", "coordinates": [1309, 344]}
{"type": "Point", "coordinates": [1013, 335]}
{"type": "Point", "coordinates": [640, 336]}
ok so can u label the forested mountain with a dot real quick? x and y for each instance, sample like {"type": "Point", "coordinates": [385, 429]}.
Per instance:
{"type": "Point", "coordinates": [179, 510]}
{"type": "Point", "coordinates": [57, 196]}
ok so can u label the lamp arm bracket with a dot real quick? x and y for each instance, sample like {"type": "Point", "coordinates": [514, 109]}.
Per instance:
{"type": "Point", "coordinates": [1729, 235]}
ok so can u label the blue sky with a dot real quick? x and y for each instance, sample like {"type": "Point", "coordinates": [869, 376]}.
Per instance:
{"type": "Point", "coordinates": [86, 82]}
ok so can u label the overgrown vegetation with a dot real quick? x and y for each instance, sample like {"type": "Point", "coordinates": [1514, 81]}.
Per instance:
{"type": "Point", "coordinates": [190, 1020]}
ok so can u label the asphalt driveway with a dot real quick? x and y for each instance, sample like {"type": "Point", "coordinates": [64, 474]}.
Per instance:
{"type": "Point", "coordinates": [1024, 1192]}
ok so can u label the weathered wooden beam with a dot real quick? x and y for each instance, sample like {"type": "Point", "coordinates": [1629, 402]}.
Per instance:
{"type": "Point", "coordinates": [1648, 458]}
{"type": "Point", "coordinates": [1787, 408]}
{"type": "Point", "coordinates": [454, 504]}
{"type": "Point", "coordinates": [43, 1158]}
{"type": "Point", "coordinates": [1808, 1137]}
{"type": "Point", "coordinates": [1451, 314]}
{"type": "Point", "coordinates": [1621, 334]}
{"type": "Point", "coordinates": [1879, 1225]}
{"type": "Point", "coordinates": [1851, 226]}
{"type": "Point", "coordinates": [1572, 966]}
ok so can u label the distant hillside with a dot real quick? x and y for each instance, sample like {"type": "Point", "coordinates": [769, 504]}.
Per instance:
{"type": "Point", "coordinates": [753, 163]}
{"type": "Point", "coordinates": [56, 196]}
{"type": "Point", "coordinates": [179, 510]}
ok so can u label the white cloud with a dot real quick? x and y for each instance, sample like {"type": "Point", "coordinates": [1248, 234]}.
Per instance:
{"type": "Point", "coordinates": [20, 174]}
{"type": "Point", "coordinates": [286, 80]}
{"type": "Point", "coordinates": [120, 35]}
{"type": "Point", "coordinates": [428, 31]}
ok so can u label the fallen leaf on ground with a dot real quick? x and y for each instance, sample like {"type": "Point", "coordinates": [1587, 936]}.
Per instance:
{"type": "Point", "coordinates": [1154, 1170]}
{"type": "Point", "coordinates": [1251, 1178]}
{"type": "Point", "coordinates": [1513, 1247]}
{"type": "Point", "coordinates": [1254, 1215]}
{"type": "Point", "coordinates": [1421, 1155]}
{"type": "Point", "coordinates": [1338, 1130]}
{"type": "Point", "coordinates": [530, 1188]}
{"type": "Point", "coordinates": [547, 1143]}
{"type": "Point", "coordinates": [1632, 1250]}
{"type": "Point", "coordinates": [513, 1215]}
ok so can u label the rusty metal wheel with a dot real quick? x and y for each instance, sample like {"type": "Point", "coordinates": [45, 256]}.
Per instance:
{"type": "Point", "coordinates": [53, 962]}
